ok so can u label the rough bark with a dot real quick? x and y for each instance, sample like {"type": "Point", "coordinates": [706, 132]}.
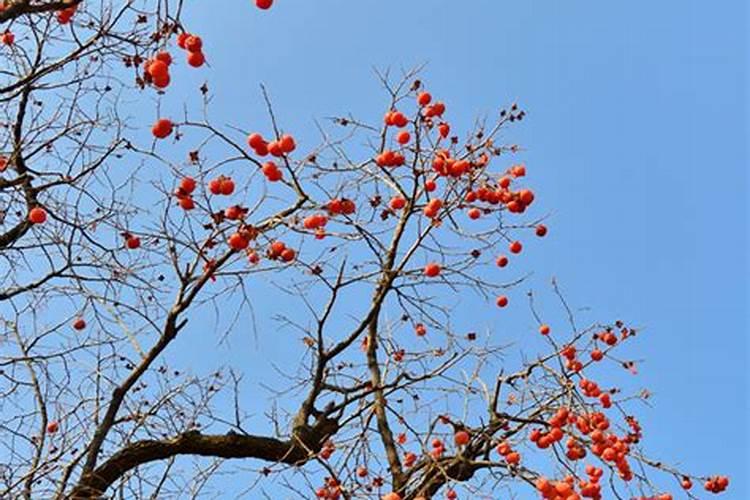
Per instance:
{"type": "Point", "coordinates": [300, 448]}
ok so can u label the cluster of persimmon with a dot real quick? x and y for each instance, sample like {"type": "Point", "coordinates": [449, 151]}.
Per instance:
{"type": "Point", "coordinates": [546, 439]}
{"type": "Point", "coordinates": [327, 450]}
{"type": "Point", "coordinates": [341, 206]}
{"type": "Point", "coordinates": [240, 239]}
{"type": "Point", "coordinates": [316, 223]}
{"type": "Point", "coordinates": [511, 456]}
{"type": "Point", "coordinates": [221, 185]}
{"type": "Point", "coordinates": [390, 158]}
{"type": "Point", "coordinates": [591, 389]}
{"type": "Point", "coordinates": [610, 338]}
{"type": "Point", "coordinates": [715, 484]}
{"type": "Point", "coordinates": [279, 251]}
{"type": "Point", "coordinates": [432, 208]}
{"type": "Point", "coordinates": [156, 69]}
{"type": "Point", "coordinates": [331, 490]}
{"type": "Point", "coordinates": [184, 193]}
{"type": "Point", "coordinates": [573, 364]}
{"type": "Point", "coordinates": [438, 447]}
{"type": "Point", "coordinates": [280, 147]}
{"type": "Point", "coordinates": [272, 172]}
{"type": "Point", "coordinates": [557, 490]}
{"type": "Point", "coordinates": [446, 165]}
{"type": "Point", "coordinates": [430, 111]}
{"type": "Point", "coordinates": [611, 448]}
{"type": "Point", "coordinates": [193, 44]}
{"type": "Point", "coordinates": [8, 38]}
{"type": "Point", "coordinates": [514, 201]}
{"type": "Point", "coordinates": [607, 446]}
{"type": "Point", "coordinates": [395, 118]}
{"type": "Point", "coordinates": [565, 489]}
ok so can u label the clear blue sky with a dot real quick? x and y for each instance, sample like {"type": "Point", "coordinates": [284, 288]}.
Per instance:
{"type": "Point", "coordinates": [636, 137]}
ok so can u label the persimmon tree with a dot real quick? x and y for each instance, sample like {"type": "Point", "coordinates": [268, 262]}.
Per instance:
{"type": "Point", "coordinates": [116, 239]}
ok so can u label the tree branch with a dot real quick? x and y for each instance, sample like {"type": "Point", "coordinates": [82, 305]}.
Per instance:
{"type": "Point", "coordinates": [304, 444]}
